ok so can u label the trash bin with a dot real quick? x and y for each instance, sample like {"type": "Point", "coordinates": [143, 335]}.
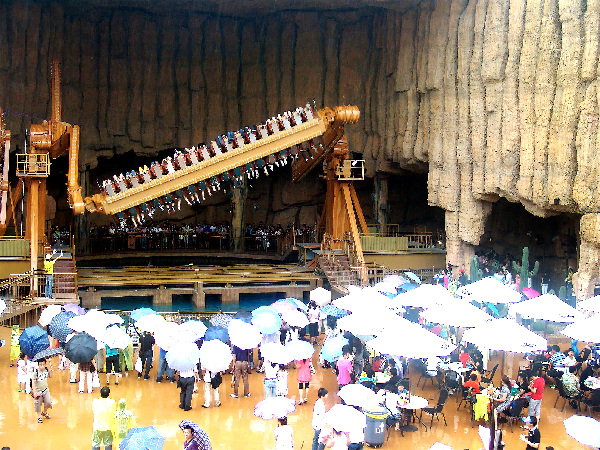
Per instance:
{"type": "Point", "coordinates": [375, 431]}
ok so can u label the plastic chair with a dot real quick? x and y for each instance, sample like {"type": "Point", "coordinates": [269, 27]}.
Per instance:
{"type": "Point", "coordinates": [593, 401]}
{"type": "Point", "coordinates": [422, 368]}
{"type": "Point", "coordinates": [488, 379]}
{"type": "Point", "coordinates": [513, 412]}
{"type": "Point", "coordinates": [437, 409]}
{"type": "Point", "coordinates": [561, 393]}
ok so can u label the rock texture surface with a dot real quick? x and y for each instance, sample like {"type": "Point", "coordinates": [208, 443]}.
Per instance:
{"type": "Point", "coordinates": [492, 98]}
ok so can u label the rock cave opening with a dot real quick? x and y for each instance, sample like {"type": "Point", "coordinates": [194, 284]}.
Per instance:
{"type": "Point", "coordinates": [553, 241]}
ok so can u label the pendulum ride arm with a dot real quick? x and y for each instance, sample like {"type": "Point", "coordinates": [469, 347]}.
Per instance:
{"type": "Point", "coordinates": [322, 124]}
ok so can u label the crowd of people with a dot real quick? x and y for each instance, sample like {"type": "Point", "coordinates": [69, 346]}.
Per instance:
{"type": "Point", "coordinates": [183, 159]}
{"type": "Point", "coordinates": [190, 236]}
{"type": "Point", "coordinates": [464, 370]}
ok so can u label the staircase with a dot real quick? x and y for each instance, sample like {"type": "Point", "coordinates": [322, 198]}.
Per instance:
{"type": "Point", "coordinates": [65, 279]}
{"type": "Point", "coordinates": [336, 266]}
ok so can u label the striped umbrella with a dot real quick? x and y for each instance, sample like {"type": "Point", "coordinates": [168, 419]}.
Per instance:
{"type": "Point", "coordinates": [220, 320]}
{"type": "Point", "coordinates": [198, 434]}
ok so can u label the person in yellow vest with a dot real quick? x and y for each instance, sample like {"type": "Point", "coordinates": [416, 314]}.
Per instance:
{"type": "Point", "coordinates": [49, 269]}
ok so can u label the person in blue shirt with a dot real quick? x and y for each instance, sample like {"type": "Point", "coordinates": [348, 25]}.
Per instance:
{"type": "Point", "coordinates": [163, 367]}
{"type": "Point", "coordinates": [112, 364]}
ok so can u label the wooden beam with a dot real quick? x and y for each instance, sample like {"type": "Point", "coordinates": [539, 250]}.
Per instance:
{"type": "Point", "coordinates": [359, 213]}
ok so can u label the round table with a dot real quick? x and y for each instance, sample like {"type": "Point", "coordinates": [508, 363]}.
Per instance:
{"type": "Point", "coordinates": [592, 382]}
{"type": "Point", "coordinates": [415, 402]}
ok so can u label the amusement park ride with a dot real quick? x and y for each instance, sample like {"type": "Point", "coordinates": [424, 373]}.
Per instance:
{"type": "Point", "coordinates": [308, 137]}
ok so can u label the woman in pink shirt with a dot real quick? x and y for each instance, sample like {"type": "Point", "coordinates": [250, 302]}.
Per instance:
{"type": "Point", "coordinates": [304, 377]}
{"type": "Point", "coordinates": [344, 366]}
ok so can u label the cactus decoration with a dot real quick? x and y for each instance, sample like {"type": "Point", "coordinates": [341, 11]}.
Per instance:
{"type": "Point", "coordinates": [475, 273]}
{"type": "Point", "coordinates": [523, 268]}
{"type": "Point", "coordinates": [562, 293]}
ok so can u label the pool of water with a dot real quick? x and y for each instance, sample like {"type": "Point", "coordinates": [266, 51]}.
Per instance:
{"type": "Point", "coordinates": [183, 303]}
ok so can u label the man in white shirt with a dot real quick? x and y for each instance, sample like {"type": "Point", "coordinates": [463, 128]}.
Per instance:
{"type": "Point", "coordinates": [187, 378]}
{"type": "Point", "coordinates": [317, 418]}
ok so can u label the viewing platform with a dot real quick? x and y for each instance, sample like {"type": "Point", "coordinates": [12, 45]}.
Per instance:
{"type": "Point", "coordinates": [162, 283]}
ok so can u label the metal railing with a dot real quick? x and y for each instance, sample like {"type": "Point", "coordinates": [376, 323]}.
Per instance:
{"type": "Point", "coordinates": [27, 286]}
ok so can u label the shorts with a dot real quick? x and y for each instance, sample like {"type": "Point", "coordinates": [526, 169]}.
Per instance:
{"type": "Point", "coordinates": [112, 364]}
{"type": "Point", "coordinates": [102, 437]}
{"type": "Point", "coordinates": [313, 329]}
{"type": "Point", "coordinates": [45, 399]}
{"type": "Point", "coordinates": [300, 385]}
{"type": "Point", "coordinates": [534, 407]}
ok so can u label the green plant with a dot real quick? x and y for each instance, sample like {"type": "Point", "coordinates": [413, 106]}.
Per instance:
{"type": "Point", "coordinates": [562, 293]}
{"type": "Point", "coordinates": [475, 274]}
{"type": "Point", "coordinates": [523, 268]}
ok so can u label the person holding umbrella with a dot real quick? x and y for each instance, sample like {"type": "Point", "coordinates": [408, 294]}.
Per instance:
{"type": "Point", "coordinates": [40, 392]}
{"type": "Point", "coordinates": [304, 378]}
{"type": "Point", "coordinates": [187, 379]}
{"type": "Point", "coordinates": [190, 443]}
{"type": "Point", "coordinates": [240, 364]}
{"type": "Point", "coordinates": [86, 372]}
{"type": "Point", "coordinates": [212, 381]}
{"type": "Point", "coordinates": [146, 350]}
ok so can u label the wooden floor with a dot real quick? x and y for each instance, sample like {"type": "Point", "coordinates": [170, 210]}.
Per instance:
{"type": "Point", "coordinates": [230, 426]}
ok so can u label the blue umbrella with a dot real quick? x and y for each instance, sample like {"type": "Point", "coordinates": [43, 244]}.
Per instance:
{"type": "Point", "coordinates": [246, 316]}
{"type": "Point", "coordinates": [220, 320]}
{"type": "Point", "coordinates": [334, 311]}
{"type": "Point", "coordinates": [332, 348]}
{"type": "Point", "coordinates": [33, 340]}
{"type": "Point", "coordinates": [198, 434]}
{"type": "Point", "coordinates": [142, 438]}
{"type": "Point", "coordinates": [297, 303]}
{"type": "Point", "coordinates": [219, 333]}
{"type": "Point", "coordinates": [407, 287]}
{"type": "Point", "coordinates": [141, 312]}
{"type": "Point", "coordinates": [267, 321]}
{"type": "Point", "coordinates": [58, 327]}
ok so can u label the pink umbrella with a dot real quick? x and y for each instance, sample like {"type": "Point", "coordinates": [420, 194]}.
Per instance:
{"type": "Point", "coordinates": [280, 306]}
{"type": "Point", "coordinates": [530, 293]}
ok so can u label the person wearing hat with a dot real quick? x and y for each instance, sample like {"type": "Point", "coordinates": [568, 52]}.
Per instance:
{"type": "Point", "coordinates": [532, 439]}
{"type": "Point", "coordinates": [49, 269]}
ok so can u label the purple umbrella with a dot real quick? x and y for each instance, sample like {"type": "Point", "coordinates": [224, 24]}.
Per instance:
{"type": "Point", "coordinates": [75, 309]}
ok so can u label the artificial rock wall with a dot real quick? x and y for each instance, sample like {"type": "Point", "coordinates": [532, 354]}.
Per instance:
{"type": "Point", "coordinates": [493, 98]}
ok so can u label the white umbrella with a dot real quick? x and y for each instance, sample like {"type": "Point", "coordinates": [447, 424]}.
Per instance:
{"type": "Point", "coordinates": [490, 290]}
{"type": "Point", "coordinates": [505, 334]}
{"type": "Point", "coordinates": [243, 335]}
{"type": "Point", "coordinates": [413, 277]}
{"type": "Point", "coordinates": [165, 335]}
{"type": "Point", "coordinates": [115, 337]}
{"type": "Point", "coordinates": [295, 318]}
{"type": "Point", "coordinates": [183, 356]}
{"type": "Point", "coordinates": [276, 353]}
{"type": "Point", "coordinates": [592, 304]}
{"type": "Point", "coordinates": [457, 314]}
{"type": "Point", "coordinates": [358, 395]}
{"type": "Point", "coordinates": [48, 314]}
{"type": "Point", "coordinates": [113, 319]}
{"type": "Point", "coordinates": [300, 349]}
{"type": "Point", "coordinates": [585, 430]}
{"type": "Point", "coordinates": [425, 296]}
{"type": "Point", "coordinates": [93, 322]}
{"type": "Point", "coordinates": [195, 326]}
{"type": "Point", "coordinates": [320, 296]}
{"type": "Point", "coordinates": [2, 306]}
{"type": "Point", "coordinates": [395, 280]}
{"type": "Point", "coordinates": [384, 286]}
{"type": "Point", "coordinates": [345, 418]}
{"type": "Point", "coordinates": [368, 298]}
{"type": "Point", "coordinates": [371, 322]}
{"type": "Point", "coordinates": [587, 329]}
{"type": "Point", "coordinates": [410, 342]}
{"type": "Point", "coordinates": [215, 356]}
{"type": "Point", "coordinates": [150, 322]}
{"type": "Point", "coordinates": [546, 307]}
{"type": "Point", "coordinates": [274, 408]}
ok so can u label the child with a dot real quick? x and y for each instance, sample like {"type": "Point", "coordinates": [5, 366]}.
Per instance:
{"type": "Point", "coordinates": [284, 435]}
{"type": "Point", "coordinates": [22, 376]}
{"type": "Point", "coordinates": [281, 386]}
{"type": "Point", "coordinates": [124, 421]}
{"type": "Point", "coordinates": [304, 378]}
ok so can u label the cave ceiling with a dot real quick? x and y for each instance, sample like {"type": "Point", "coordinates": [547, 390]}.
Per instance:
{"type": "Point", "coordinates": [245, 7]}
